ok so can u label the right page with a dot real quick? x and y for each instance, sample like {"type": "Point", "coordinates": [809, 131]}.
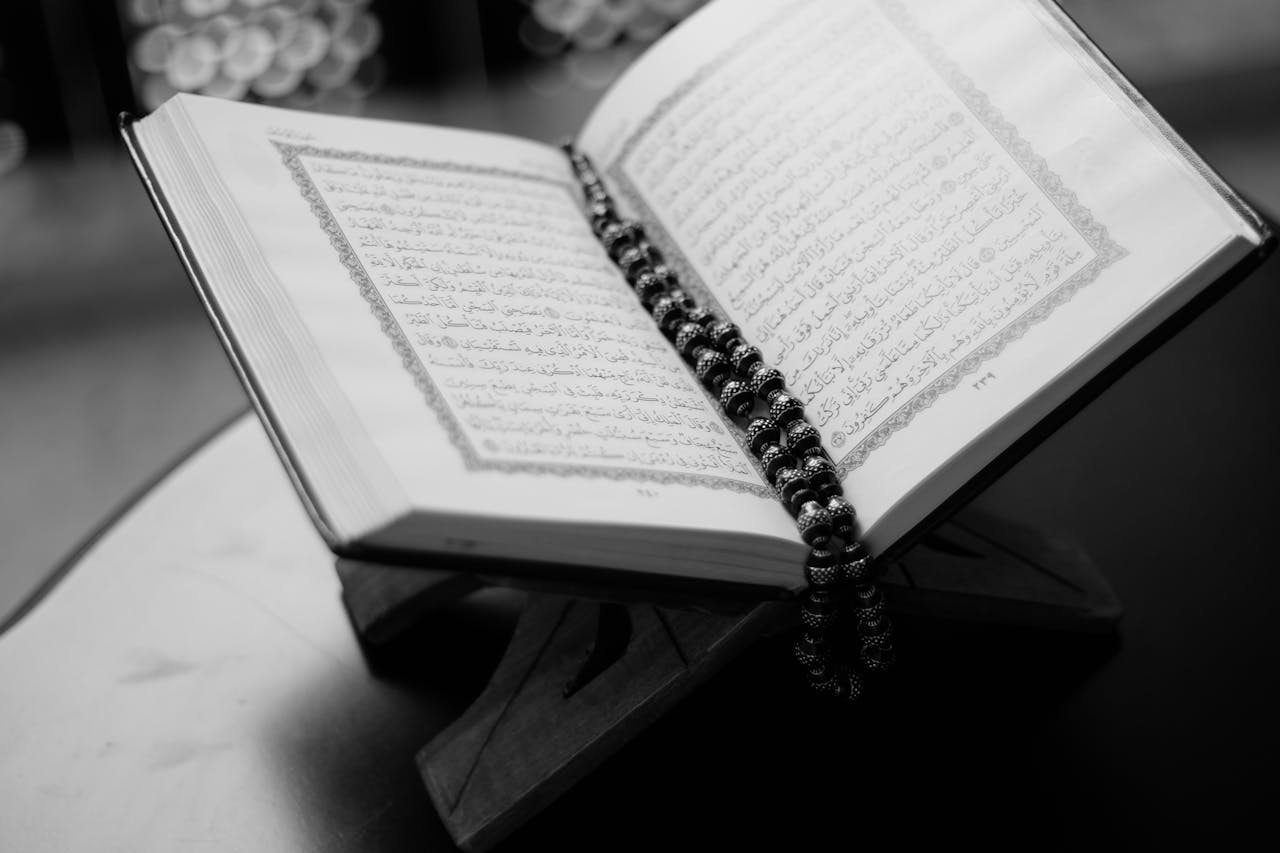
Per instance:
{"type": "Point", "coordinates": [937, 219]}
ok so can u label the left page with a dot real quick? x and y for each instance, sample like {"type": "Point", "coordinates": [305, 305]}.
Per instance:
{"type": "Point", "coordinates": [470, 346]}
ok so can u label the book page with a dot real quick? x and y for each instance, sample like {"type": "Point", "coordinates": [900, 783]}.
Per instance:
{"type": "Point", "coordinates": [457, 315]}
{"type": "Point", "coordinates": [517, 328]}
{"type": "Point", "coordinates": [883, 221]}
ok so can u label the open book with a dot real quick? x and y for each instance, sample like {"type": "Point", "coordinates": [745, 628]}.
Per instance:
{"type": "Point", "coordinates": [943, 222]}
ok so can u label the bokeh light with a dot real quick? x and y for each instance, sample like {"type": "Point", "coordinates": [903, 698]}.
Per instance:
{"type": "Point", "coordinates": [299, 53]}
{"type": "Point", "coordinates": [589, 42]}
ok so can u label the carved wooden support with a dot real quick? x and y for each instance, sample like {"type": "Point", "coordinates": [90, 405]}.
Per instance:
{"type": "Point", "coordinates": [581, 677]}
{"type": "Point", "coordinates": [524, 742]}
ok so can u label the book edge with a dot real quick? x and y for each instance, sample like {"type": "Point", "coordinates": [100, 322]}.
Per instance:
{"type": "Point", "coordinates": [127, 125]}
{"type": "Point", "coordinates": [1092, 388]}
{"type": "Point", "coordinates": [1263, 239]}
{"type": "Point", "coordinates": [1263, 233]}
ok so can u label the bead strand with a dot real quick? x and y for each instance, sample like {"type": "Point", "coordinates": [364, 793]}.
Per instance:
{"type": "Point", "coordinates": [789, 449]}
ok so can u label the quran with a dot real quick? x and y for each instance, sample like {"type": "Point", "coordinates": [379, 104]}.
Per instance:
{"type": "Point", "coordinates": [945, 225]}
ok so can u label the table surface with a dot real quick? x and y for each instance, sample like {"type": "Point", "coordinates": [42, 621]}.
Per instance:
{"type": "Point", "coordinates": [192, 681]}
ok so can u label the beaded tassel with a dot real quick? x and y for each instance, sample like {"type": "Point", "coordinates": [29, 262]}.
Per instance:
{"type": "Point", "coordinates": [789, 448]}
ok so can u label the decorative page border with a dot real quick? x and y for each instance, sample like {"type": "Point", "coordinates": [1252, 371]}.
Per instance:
{"type": "Point", "coordinates": [291, 154]}
{"type": "Point", "coordinates": [1004, 132]}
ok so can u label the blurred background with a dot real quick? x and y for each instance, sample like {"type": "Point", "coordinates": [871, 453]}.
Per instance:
{"type": "Point", "coordinates": [107, 369]}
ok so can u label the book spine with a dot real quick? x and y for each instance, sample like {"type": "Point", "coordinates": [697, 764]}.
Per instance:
{"type": "Point", "coordinates": [839, 569]}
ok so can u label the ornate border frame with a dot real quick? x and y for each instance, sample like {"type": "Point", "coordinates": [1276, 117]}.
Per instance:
{"type": "Point", "coordinates": [1005, 133]}
{"type": "Point", "coordinates": [292, 153]}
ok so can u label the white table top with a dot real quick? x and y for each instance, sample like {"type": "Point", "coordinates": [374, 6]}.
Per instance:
{"type": "Point", "coordinates": [194, 684]}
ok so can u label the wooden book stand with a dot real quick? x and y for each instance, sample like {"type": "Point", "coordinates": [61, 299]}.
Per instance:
{"type": "Point", "coordinates": [581, 677]}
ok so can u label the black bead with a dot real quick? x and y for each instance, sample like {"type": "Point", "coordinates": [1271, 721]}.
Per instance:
{"type": "Point", "coordinates": [761, 431]}
{"type": "Point", "coordinates": [803, 496]}
{"type": "Point", "coordinates": [664, 274]}
{"type": "Point", "coordinates": [827, 678]}
{"type": "Point", "coordinates": [829, 488]}
{"type": "Point", "coordinates": [870, 605]}
{"type": "Point", "coordinates": [819, 598]}
{"type": "Point", "coordinates": [815, 638]}
{"type": "Point", "coordinates": [649, 287]}
{"type": "Point", "coordinates": [835, 687]}
{"type": "Point", "coordinates": [856, 563]}
{"type": "Point", "coordinates": [867, 596]}
{"type": "Point", "coordinates": [811, 655]}
{"type": "Point", "coordinates": [722, 332]}
{"type": "Point", "coordinates": [736, 398]}
{"type": "Point", "coordinates": [854, 551]}
{"type": "Point", "coordinates": [602, 216]}
{"type": "Point", "coordinates": [742, 356]}
{"type": "Point", "coordinates": [814, 524]}
{"type": "Point", "coordinates": [774, 458]}
{"type": "Point", "coordinates": [784, 408]}
{"type": "Point", "coordinates": [712, 368]}
{"type": "Point", "coordinates": [595, 194]}
{"type": "Point", "coordinates": [631, 261]}
{"type": "Point", "coordinates": [822, 558]}
{"type": "Point", "coordinates": [652, 253]}
{"type": "Point", "coordinates": [857, 571]}
{"type": "Point", "coordinates": [821, 472]}
{"type": "Point", "coordinates": [881, 640]}
{"type": "Point", "coordinates": [802, 437]}
{"type": "Point", "coordinates": [690, 336]}
{"type": "Point", "coordinates": [786, 476]}
{"type": "Point", "coordinates": [854, 687]}
{"type": "Point", "coordinates": [818, 612]}
{"type": "Point", "coordinates": [821, 570]}
{"type": "Point", "coordinates": [788, 482]}
{"type": "Point", "coordinates": [682, 298]}
{"type": "Point", "coordinates": [844, 519]}
{"type": "Point", "coordinates": [666, 312]}
{"type": "Point", "coordinates": [823, 578]}
{"type": "Point", "coordinates": [765, 380]}
{"type": "Point", "coordinates": [875, 628]}
{"type": "Point", "coordinates": [704, 316]}
{"type": "Point", "coordinates": [877, 657]}
{"type": "Point", "coordinates": [817, 621]}
{"type": "Point", "coordinates": [626, 248]}
{"type": "Point", "coordinates": [616, 236]}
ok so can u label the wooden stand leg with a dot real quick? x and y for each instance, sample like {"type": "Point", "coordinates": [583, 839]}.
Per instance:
{"type": "Point", "coordinates": [978, 568]}
{"type": "Point", "coordinates": [385, 601]}
{"type": "Point", "coordinates": [524, 741]}
{"type": "Point", "coordinates": [578, 681]}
